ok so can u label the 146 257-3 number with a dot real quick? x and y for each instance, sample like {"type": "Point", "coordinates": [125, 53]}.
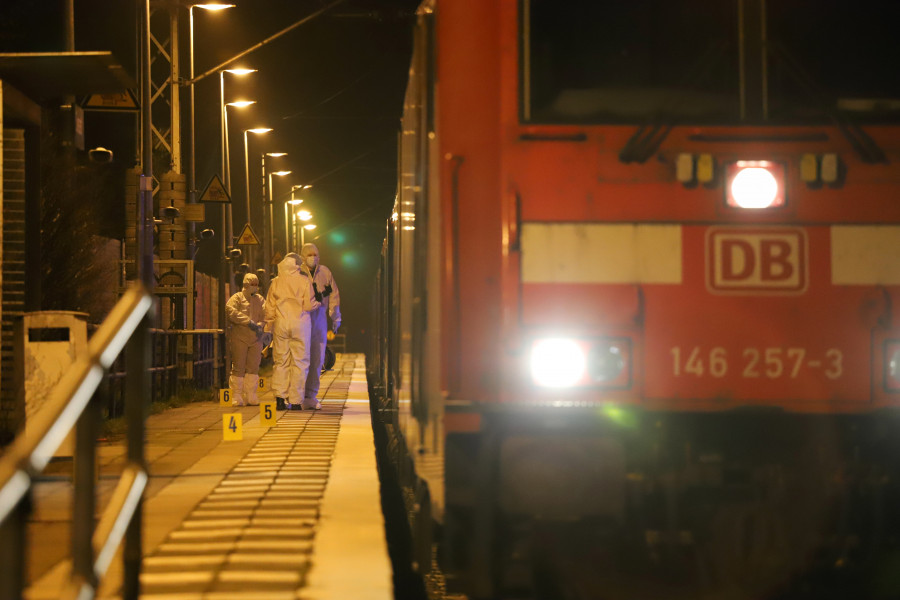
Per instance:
{"type": "Point", "coordinates": [770, 363]}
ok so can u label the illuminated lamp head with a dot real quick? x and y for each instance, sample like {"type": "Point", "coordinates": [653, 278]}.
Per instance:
{"type": "Point", "coordinates": [754, 184]}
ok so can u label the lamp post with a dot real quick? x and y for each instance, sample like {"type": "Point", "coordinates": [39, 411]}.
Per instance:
{"type": "Point", "coordinates": [192, 171]}
{"type": "Point", "coordinates": [270, 234]}
{"type": "Point", "coordinates": [227, 234]}
{"type": "Point", "coordinates": [289, 232]}
{"type": "Point", "coordinates": [307, 227]}
{"type": "Point", "coordinates": [257, 131]}
{"type": "Point", "coordinates": [226, 168]}
{"type": "Point", "coordinates": [223, 116]}
{"type": "Point", "coordinates": [288, 224]}
{"type": "Point", "coordinates": [269, 248]}
{"type": "Point", "coordinates": [304, 215]}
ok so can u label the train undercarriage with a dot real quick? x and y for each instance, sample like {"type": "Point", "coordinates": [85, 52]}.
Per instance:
{"type": "Point", "coordinates": [630, 504]}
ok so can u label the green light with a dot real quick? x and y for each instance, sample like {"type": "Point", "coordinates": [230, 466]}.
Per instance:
{"type": "Point", "coordinates": [619, 416]}
{"type": "Point", "coordinates": [338, 238]}
{"type": "Point", "coordinates": [350, 260]}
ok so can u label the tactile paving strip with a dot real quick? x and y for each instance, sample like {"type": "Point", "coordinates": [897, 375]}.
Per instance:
{"type": "Point", "coordinates": [252, 537]}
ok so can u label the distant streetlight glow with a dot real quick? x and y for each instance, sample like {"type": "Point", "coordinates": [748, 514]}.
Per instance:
{"type": "Point", "coordinates": [240, 71]}
{"type": "Point", "coordinates": [307, 227]}
{"type": "Point", "coordinates": [213, 7]}
{"type": "Point", "coordinates": [241, 103]}
{"type": "Point", "coordinates": [276, 154]}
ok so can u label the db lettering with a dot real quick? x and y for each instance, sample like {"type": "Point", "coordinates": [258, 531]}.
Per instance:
{"type": "Point", "coordinates": [756, 261]}
{"type": "Point", "coordinates": [770, 262]}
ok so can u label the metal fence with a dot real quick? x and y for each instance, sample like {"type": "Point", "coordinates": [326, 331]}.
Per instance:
{"type": "Point", "coordinates": [180, 358]}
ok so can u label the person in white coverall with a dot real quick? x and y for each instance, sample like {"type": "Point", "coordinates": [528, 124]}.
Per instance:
{"type": "Point", "coordinates": [288, 304]}
{"type": "Point", "coordinates": [246, 316]}
{"type": "Point", "coordinates": [325, 291]}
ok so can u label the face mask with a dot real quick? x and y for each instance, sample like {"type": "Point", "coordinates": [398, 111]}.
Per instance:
{"type": "Point", "coordinates": [311, 261]}
{"type": "Point", "coordinates": [252, 289]}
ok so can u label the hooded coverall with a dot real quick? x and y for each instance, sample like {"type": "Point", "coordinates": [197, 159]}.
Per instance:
{"type": "Point", "coordinates": [330, 307]}
{"type": "Point", "coordinates": [247, 318]}
{"type": "Point", "coordinates": [288, 304]}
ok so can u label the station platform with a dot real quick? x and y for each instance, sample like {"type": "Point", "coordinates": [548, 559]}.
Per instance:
{"type": "Point", "coordinates": [291, 511]}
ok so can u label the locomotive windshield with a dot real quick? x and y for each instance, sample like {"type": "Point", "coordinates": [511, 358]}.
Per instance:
{"type": "Point", "coordinates": [700, 61]}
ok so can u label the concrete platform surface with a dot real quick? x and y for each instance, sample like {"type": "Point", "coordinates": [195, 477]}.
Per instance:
{"type": "Point", "coordinates": [287, 512]}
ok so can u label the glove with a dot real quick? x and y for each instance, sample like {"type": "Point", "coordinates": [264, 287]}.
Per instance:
{"type": "Point", "coordinates": [335, 325]}
{"type": "Point", "coordinates": [257, 329]}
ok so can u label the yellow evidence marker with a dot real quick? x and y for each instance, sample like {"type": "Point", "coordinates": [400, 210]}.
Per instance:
{"type": "Point", "coordinates": [225, 397]}
{"type": "Point", "coordinates": [267, 413]}
{"type": "Point", "coordinates": [232, 427]}
{"type": "Point", "coordinates": [261, 384]}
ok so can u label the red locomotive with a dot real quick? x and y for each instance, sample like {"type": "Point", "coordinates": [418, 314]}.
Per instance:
{"type": "Point", "coordinates": [640, 278]}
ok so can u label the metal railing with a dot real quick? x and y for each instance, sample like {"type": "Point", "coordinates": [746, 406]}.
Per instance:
{"type": "Point", "coordinates": [179, 357]}
{"type": "Point", "coordinates": [71, 405]}
{"type": "Point", "coordinates": [202, 357]}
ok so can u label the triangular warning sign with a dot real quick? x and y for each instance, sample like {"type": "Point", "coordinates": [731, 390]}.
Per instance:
{"type": "Point", "coordinates": [248, 238]}
{"type": "Point", "coordinates": [215, 191]}
{"type": "Point", "coordinates": [117, 101]}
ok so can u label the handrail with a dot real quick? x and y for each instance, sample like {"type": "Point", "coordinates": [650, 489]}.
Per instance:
{"type": "Point", "coordinates": [32, 450]}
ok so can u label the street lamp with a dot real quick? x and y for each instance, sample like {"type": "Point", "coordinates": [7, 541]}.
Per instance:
{"type": "Point", "coordinates": [270, 235]}
{"type": "Point", "coordinates": [226, 161]}
{"type": "Point", "coordinates": [191, 183]}
{"type": "Point", "coordinates": [257, 131]}
{"type": "Point", "coordinates": [304, 215]}
{"type": "Point", "coordinates": [268, 220]}
{"type": "Point", "coordinates": [192, 171]}
{"type": "Point", "coordinates": [288, 225]}
{"type": "Point", "coordinates": [307, 227]}
{"type": "Point", "coordinates": [226, 167]}
{"type": "Point", "coordinates": [227, 234]}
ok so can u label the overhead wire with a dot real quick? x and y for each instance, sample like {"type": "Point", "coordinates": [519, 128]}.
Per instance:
{"type": "Point", "coordinates": [266, 41]}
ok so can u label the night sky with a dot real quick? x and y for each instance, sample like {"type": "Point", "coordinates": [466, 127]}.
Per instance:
{"type": "Point", "coordinates": [332, 90]}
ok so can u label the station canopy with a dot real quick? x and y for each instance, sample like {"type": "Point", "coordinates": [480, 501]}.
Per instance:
{"type": "Point", "coordinates": [44, 75]}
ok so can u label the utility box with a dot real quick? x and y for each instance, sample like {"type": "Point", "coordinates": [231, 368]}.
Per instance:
{"type": "Point", "coordinates": [48, 343]}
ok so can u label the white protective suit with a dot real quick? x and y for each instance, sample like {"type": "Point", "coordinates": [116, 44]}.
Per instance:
{"type": "Point", "coordinates": [246, 316]}
{"type": "Point", "coordinates": [325, 291]}
{"type": "Point", "coordinates": [288, 304]}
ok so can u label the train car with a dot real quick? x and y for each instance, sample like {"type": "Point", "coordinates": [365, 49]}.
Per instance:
{"type": "Point", "coordinates": [635, 308]}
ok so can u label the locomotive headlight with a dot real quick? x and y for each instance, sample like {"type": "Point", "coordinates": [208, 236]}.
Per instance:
{"type": "Point", "coordinates": [557, 362]}
{"type": "Point", "coordinates": [754, 184]}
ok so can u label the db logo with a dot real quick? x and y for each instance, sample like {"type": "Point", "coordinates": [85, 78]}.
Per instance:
{"type": "Point", "coordinates": [756, 260]}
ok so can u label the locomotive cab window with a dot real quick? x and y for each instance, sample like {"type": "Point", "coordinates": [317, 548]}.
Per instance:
{"type": "Point", "coordinates": [693, 61]}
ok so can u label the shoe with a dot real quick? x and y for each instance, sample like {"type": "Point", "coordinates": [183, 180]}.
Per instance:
{"type": "Point", "coordinates": [295, 407]}
{"type": "Point", "coordinates": [280, 403]}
